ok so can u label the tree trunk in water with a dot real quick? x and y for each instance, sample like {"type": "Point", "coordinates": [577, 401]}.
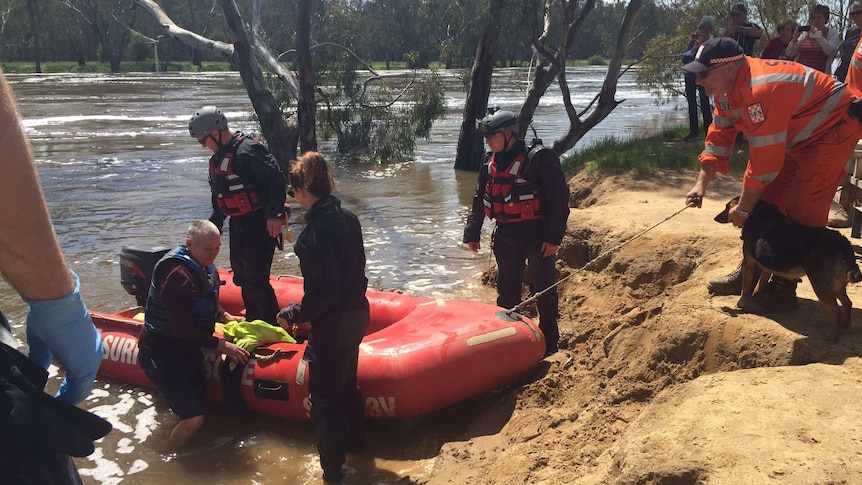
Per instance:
{"type": "Point", "coordinates": [280, 137]}
{"type": "Point", "coordinates": [195, 27]}
{"type": "Point", "coordinates": [306, 105]}
{"type": "Point", "coordinates": [114, 61]}
{"type": "Point", "coordinates": [33, 13]}
{"type": "Point", "coordinates": [470, 149]}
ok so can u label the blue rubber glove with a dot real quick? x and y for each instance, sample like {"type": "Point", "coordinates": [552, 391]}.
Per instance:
{"type": "Point", "coordinates": [63, 327]}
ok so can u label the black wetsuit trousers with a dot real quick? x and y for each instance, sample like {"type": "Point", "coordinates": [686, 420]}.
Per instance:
{"type": "Point", "coordinates": [692, 93]}
{"type": "Point", "coordinates": [336, 407]}
{"type": "Point", "coordinates": [251, 252]}
{"type": "Point", "coordinates": [515, 245]}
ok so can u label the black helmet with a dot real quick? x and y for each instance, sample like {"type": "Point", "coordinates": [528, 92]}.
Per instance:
{"type": "Point", "coordinates": [207, 120]}
{"type": "Point", "coordinates": [496, 121]}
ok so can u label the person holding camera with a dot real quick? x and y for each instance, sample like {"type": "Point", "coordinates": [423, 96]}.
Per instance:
{"type": "Point", "coordinates": [815, 45]}
{"type": "Point", "coordinates": [776, 46]}
{"type": "Point", "coordinates": [743, 32]}
{"type": "Point", "coordinates": [692, 90]}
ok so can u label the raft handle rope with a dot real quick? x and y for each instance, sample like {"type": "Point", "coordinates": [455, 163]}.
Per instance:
{"type": "Point", "coordinates": [267, 357]}
{"type": "Point", "coordinates": [695, 201]}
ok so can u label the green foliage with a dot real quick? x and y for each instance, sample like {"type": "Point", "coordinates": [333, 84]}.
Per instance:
{"type": "Point", "coordinates": [596, 60]}
{"type": "Point", "coordinates": [147, 65]}
{"type": "Point", "coordinates": [645, 155]}
{"type": "Point", "coordinates": [369, 126]}
{"type": "Point", "coordinates": [660, 68]}
{"type": "Point", "coordinates": [140, 50]}
{"type": "Point", "coordinates": [386, 31]}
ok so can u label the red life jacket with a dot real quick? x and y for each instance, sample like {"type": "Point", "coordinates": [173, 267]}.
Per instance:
{"type": "Point", "coordinates": [234, 195]}
{"type": "Point", "coordinates": [508, 196]}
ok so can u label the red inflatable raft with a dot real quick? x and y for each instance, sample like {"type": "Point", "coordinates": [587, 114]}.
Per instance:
{"type": "Point", "coordinates": [419, 355]}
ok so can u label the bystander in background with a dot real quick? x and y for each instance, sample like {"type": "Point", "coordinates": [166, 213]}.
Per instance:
{"type": "Point", "coordinates": [776, 46]}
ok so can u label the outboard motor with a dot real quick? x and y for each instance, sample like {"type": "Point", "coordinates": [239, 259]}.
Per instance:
{"type": "Point", "coordinates": [136, 270]}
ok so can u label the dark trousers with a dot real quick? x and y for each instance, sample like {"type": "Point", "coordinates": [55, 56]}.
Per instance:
{"type": "Point", "coordinates": [692, 92]}
{"type": "Point", "coordinates": [513, 247]}
{"type": "Point", "coordinates": [251, 251]}
{"type": "Point", "coordinates": [337, 409]}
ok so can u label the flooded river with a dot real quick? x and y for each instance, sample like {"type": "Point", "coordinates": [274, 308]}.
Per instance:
{"type": "Point", "coordinates": [119, 169]}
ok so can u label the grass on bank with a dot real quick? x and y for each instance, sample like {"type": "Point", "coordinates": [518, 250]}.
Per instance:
{"type": "Point", "coordinates": [645, 155]}
{"type": "Point", "coordinates": [105, 68]}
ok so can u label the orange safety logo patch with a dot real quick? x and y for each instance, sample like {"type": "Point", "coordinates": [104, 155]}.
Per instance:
{"type": "Point", "coordinates": [755, 112]}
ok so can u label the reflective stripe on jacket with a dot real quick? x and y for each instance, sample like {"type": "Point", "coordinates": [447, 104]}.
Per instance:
{"type": "Point", "coordinates": [205, 311]}
{"type": "Point", "coordinates": [781, 106]}
{"type": "Point", "coordinates": [854, 72]}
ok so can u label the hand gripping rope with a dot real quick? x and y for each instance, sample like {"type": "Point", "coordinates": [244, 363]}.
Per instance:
{"type": "Point", "coordinates": [694, 203]}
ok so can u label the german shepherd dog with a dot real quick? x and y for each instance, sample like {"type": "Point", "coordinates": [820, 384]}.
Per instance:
{"type": "Point", "coordinates": [775, 244]}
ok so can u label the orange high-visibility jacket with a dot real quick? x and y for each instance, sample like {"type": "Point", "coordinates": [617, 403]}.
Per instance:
{"type": "Point", "coordinates": [854, 72]}
{"type": "Point", "coordinates": [780, 106]}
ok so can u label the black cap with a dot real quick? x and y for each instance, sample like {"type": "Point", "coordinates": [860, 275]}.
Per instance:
{"type": "Point", "coordinates": [715, 51]}
{"type": "Point", "coordinates": [739, 8]}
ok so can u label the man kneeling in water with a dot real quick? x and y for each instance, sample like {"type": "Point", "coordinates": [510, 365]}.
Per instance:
{"type": "Point", "coordinates": [182, 309]}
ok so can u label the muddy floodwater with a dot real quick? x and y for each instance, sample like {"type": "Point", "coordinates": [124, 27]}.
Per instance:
{"type": "Point", "coordinates": [119, 169]}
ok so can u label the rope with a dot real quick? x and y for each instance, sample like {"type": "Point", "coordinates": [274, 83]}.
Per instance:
{"type": "Point", "coordinates": [266, 358]}
{"type": "Point", "coordinates": [694, 202]}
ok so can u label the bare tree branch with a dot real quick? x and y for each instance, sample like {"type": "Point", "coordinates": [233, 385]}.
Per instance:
{"type": "Point", "coordinates": [333, 44]}
{"type": "Point", "coordinates": [223, 49]}
{"type": "Point", "coordinates": [187, 37]}
{"type": "Point", "coordinates": [394, 100]}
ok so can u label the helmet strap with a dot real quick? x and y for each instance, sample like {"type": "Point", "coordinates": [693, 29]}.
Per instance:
{"type": "Point", "coordinates": [507, 136]}
{"type": "Point", "coordinates": [217, 140]}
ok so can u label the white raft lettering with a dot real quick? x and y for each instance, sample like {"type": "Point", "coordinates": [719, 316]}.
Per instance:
{"type": "Point", "coordinates": [106, 345]}
{"type": "Point", "coordinates": [249, 371]}
{"type": "Point", "coordinates": [212, 363]}
{"type": "Point", "coordinates": [120, 349]}
{"type": "Point", "coordinates": [376, 407]}
{"type": "Point", "coordinates": [211, 366]}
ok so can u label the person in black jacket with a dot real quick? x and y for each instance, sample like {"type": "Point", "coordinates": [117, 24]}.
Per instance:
{"type": "Point", "coordinates": [249, 187]}
{"type": "Point", "coordinates": [332, 260]}
{"type": "Point", "coordinates": [526, 194]}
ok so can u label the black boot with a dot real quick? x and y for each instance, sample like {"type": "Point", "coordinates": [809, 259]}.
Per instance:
{"type": "Point", "coordinates": [779, 295]}
{"type": "Point", "coordinates": [727, 285]}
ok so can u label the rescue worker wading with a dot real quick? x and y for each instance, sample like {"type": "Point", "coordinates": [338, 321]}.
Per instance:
{"type": "Point", "coordinates": [800, 136]}
{"type": "Point", "coordinates": [182, 310]}
{"type": "Point", "coordinates": [249, 187]}
{"type": "Point", "coordinates": [528, 197]}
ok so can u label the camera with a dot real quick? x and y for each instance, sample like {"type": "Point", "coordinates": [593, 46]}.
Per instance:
{"type": "Point", "coordinates": [804, 28]}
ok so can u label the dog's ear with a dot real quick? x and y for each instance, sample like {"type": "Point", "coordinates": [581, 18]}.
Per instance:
{"type": "Point", "coordinates": [722, 217]}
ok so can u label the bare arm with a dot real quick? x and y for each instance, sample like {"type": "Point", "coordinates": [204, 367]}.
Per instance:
{"type": "Point", "coordinates": [696, 194]}
{"type": "Point", "coordinates": [58, 323]}
{"type": "Point", "coordinates": [30, 256]}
